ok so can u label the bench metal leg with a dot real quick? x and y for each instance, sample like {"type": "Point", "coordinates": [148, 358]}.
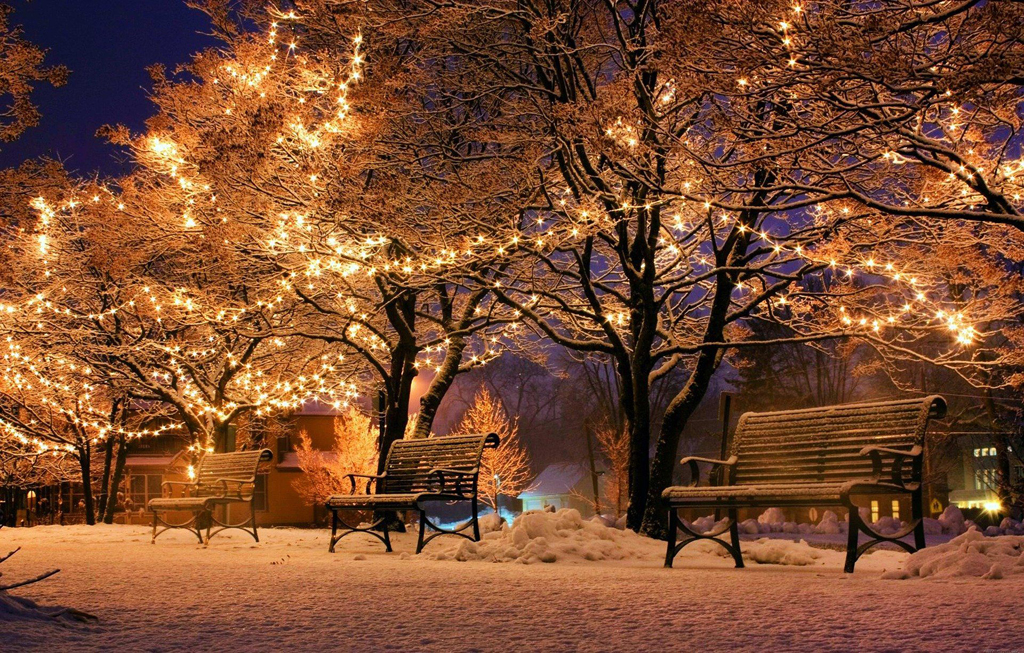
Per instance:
{"type": "Point", "coordinates": [734, 534]}
{"type": "Point", "coordinates": [473, 523]}
{"type": "Point", "coordinates": [670, 554]}
{"type": "Point", "coordinates": [252, 512]}
{"type": "Point", "coordinates": [192, 525]}
{"type": "Point", "coordinates": [851, 540]}
{"type": "Point", "coordinates": [857, 525]}
{"type": "Point", "coordinates": [476, 520]}
{"type": "Point", "coordinates": [917, 515]}
{"type": "Point", "coordinates": [423, 528]}
{"type": "Point", "coordinates": [730, 525]}
{"type": "Point", "coordinates": [337, 521]}
{"type": "Point", "coordinates": [249, 525]}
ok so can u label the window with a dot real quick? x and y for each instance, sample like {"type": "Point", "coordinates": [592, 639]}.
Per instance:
{"type": "Point", "coordinates": [977, 453]}
{"type": "Point", "coordinates": [259, 493]}
{"type": "Point", "coordinates": [874, 511]}
{"type": "Point", "coordinates": [142, 488]}
{"type": "Point", "coordinates": [895, 509]}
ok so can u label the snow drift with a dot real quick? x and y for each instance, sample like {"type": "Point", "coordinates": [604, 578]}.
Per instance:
{"type": "Point", "coordinates": [971, 555]}
{"type": "Point", "coordinates": [542, 536]}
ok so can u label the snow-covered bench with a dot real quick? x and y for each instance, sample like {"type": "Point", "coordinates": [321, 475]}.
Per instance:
{"type": "Point", "coordinates": [416, 472]}
{"type": "Point", "coordinates": [810, 458]}
{"type": "Point", "coordinates": [221, 479]}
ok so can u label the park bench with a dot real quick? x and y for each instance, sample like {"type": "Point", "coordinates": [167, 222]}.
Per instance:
{"type": "Point", "coordinates": [809, 458]}
{"type": "Point", "coordinates": [221, 479]}
{"type": "Point", "coordinates": [416, 472]}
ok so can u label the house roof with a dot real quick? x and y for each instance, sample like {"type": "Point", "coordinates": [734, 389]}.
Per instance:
{"type": "Point", "coordinates": [159, 462]}
{"type": "Point", "coordinates": [559, 478]}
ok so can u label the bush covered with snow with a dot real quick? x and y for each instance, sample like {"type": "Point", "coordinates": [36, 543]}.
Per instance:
{"type": "Point", "coordinates": [952, 521]}
{"type": "Point", "coordinates": [541, 536]}
{"type": "Point", "coordinates": [971, 555]}
{"type": "Point", "coordinates": [767, 551]}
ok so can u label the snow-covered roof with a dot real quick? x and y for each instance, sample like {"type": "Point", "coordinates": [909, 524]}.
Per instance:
{"type": "Point", "coordinates": [290, 461]}
{"type": "Point", "coordinates": [161, 462]}
{"type": "Point", "coordinates": [558, 478]}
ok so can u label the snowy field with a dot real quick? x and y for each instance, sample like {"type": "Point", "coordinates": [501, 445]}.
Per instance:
{"type": "Point", "coordinates": [604, 590]}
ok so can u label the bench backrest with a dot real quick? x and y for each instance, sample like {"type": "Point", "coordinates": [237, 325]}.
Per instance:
{"type": "Point", "coordinates": [235, 466]}
{"type": "Point", "coordinates": [822, 445]}
{"type": "Point", "coordinates": [410, 462]}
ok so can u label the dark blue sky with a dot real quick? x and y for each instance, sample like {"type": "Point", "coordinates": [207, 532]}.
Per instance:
{"type": "Point", "coordinates": [107, 45]}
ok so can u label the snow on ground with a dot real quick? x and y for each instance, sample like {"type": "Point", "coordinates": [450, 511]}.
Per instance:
{"type": "Point", "coordinates": [288, 592]}
{"type": "Point", "coordinates": [969, 555]}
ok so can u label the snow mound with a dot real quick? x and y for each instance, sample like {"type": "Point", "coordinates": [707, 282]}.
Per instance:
{"type": "Point", "coordinates": [491, 522]}
{"type": "Point", "coordinates": [781, 552]}
{"type": "Point", "coordinates": [766, 551]}
{"type": "Point", "coordinates": [16, 608]}
{"type": "Point", "coordinates": [541, 536]}
{"type": "Point", "coordinates": [773, 518]}
{"type": "Point", "coordinates": [829, 524]}
{"type": "Point", "coordinates": [971, 555]}
{"type": "Point", "coordinates": [952, 521]}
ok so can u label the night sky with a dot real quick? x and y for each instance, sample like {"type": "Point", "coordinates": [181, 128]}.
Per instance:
{"type": "Point", "coordinates": [107, 45]}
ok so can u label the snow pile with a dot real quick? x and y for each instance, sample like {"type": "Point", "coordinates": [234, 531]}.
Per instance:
{"type": "Point", "coordinates": [971, 555]}
{"type": "Point", "coordinates": [830, 524]}
{"type": "Point", "coordinates": [15, 608]}
{"type": "Point", "coordinates": [773, 518]}
{"type": "Point", "coordinates": [541, 536]}
{"type": "Point", "coordinates": [952, 521]}
{"type": "Point", "coordinates": [781, 552]}
{"type": "Point", "coordinates": [1006, 527]}
{"type": "Point", "coordinates": [766, 551]}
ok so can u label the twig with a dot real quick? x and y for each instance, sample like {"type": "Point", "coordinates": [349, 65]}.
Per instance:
{"type": "Point", "coordinates": [10, 554]}
{"type": "Point", "coordinates": [4, 588]}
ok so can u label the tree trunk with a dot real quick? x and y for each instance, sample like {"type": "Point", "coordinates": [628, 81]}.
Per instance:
{"type": "Point", "coordinates": [396, 417]}
{"type": "Point", "coordinates": [108, 457]}
{"type": "Point", "coordinates": [85, 463]}
{"type": "Point", "coordinates": [430, 402]}
{"type": "Point", "coordinates": [122, 456]}
{"type": "Point", "coordinates": [679, 411]}
{"type": "Point", "coordinates": [639, 474]}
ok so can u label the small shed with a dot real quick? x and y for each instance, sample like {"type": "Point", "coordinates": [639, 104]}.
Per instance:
{"type": "Point", "coordinates": [561, 485]}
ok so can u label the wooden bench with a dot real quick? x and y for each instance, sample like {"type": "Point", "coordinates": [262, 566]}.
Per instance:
{"type": "Point", "coordinates": [221, 479]}
{"type": "Point", "coordinates": [416, 472]}
{"type": "Point", "coordinates": [810, 458]}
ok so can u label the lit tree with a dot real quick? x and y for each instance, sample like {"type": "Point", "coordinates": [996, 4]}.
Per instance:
{"type": "Point", "coordinates": [506, 468]}
{"type": "Point", "coordinates": [694, 156]}
{"type": "Point", "coordinates": [353, 451]}
{"type": "Point", "coordinates": [323, 184]}
{"type": "Point", "coordinates": [21, 67]}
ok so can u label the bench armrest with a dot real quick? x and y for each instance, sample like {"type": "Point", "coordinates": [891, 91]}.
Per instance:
{"type": "Point", "coordinates": [459, 476]}
{"type": "Point", "coordinates": [371, 479]}
{"type": "Point", "coordinates": [915, 454]}
{"type": "Point", "coordinates": [223, 482]}
{"type": "Point", "coordinates": [715, 464]}
{"type": "Point", "coordinates": [189, 485]}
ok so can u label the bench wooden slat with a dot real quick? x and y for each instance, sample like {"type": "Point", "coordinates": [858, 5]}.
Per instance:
{"type": "Point", "coordinates": [410, 479]}
{"type": "Point", "coordinates": [810, 456]}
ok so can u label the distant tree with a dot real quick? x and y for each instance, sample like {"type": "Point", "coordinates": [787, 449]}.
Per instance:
{"type": "Point", "coordinates": [614, 446]}
{"type": "Point", "coordinates": [506, 469]}
{"type": "Point", "coordinates": [354, 451]}
{"type": "Point", "coordinates": [21, 67]}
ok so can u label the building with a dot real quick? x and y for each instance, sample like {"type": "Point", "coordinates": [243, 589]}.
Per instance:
{"type": "Point", "coordinates": [974, 480]}
{"type": "Point", "coordinates": [152, 461]}
{"type": "Point", "coordinates": [561, 485]}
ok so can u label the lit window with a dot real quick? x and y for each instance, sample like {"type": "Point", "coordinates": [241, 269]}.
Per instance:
{"type": "Point", "coordinates": [895, 509]}
{"type": "Point", "coordinates": [977, 453]}
{"type": "Point", "coordinates": [874, 511]}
